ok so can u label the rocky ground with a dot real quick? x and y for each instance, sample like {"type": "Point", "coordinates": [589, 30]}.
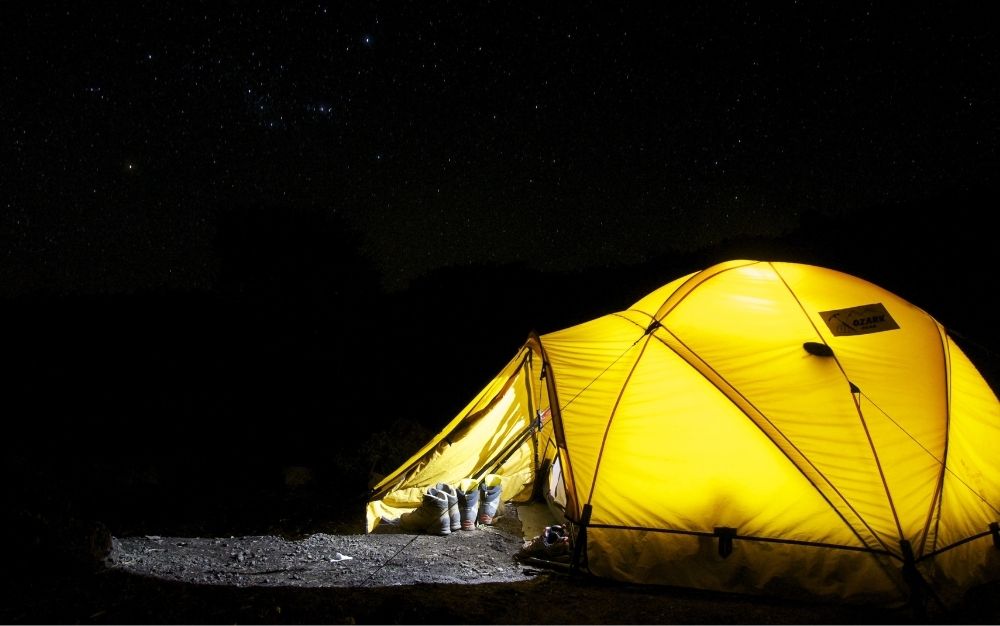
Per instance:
{"type": "Point", "coordinates": [386, 577]}
{"type": "Point", "coordinates": [384, 558]}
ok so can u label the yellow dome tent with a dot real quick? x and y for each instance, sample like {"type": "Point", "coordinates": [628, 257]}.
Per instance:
{"type": "Point", "coordinates": [753, 427]}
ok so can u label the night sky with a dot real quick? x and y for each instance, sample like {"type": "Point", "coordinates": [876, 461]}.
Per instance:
{"type": "Point", "coordinates": [235, 239]}
{"type": "Point", "coordinates": [449, 134]}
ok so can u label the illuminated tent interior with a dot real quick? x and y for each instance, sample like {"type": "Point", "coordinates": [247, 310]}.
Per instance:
{"type": "Point", "coordinates": [755, 427]}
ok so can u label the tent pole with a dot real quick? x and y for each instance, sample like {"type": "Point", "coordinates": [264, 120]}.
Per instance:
{"type": "Point", "coordinates": [580, 541]}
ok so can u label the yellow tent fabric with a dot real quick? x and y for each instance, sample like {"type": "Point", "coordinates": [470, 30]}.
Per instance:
{"type": "Point", "coordinates": [753, 427]}
{"type": "Point", "coordinates": [487, 436]}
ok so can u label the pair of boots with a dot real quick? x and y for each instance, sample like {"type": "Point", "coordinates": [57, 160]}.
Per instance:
{"type": "Point", "coordinates": [437, 513]}
{"type": "Point", "coordinates": [478, 502]}
{"type": "Point", "coordinates": [552, 545]}
{"type": "Point", "coordinates": [445, 509]}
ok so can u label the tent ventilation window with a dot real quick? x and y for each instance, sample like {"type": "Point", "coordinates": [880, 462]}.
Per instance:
{"type": "Point", "coordinates": [995, 531]}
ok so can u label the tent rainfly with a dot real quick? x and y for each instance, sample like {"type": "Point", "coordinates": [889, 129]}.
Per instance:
{"type": "Point", "coordinates": [755, 427]}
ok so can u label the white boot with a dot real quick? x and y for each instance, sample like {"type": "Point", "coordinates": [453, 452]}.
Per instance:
{"type": "Point", "coordinates": [489, 498]}
{"type": "Point", "coordinates": [430, 517]}
{"type": "Point", "coordinates": [468, 503]}
{"type": "Point", "coordinates": [452, 495]}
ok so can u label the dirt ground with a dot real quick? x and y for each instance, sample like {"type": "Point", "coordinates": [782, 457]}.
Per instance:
{"type": "Point", "coordinates": [389, 577]}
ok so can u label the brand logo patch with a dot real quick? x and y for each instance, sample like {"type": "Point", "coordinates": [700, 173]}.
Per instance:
{"type": "Point", "coordinates": [859, 320]}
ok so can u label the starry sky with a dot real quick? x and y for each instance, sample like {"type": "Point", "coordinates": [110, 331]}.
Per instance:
{"type": "Point", "coordinates": [456, 133]}
{"type": "Point", "coordinates": [224, 225]}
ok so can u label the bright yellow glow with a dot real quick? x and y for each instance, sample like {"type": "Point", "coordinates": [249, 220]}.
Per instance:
{"type": "Point", "coordinates": [480, 435]}
{"type": "Point", "coordinates": [720, 417]}
{"type": "Point", "coordinates": [972, 484]}
{"type": "Point", "coordinates": [671, 423]}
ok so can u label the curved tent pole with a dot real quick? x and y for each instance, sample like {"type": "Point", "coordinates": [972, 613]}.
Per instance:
{"type": "Point", "coordinates": [856, 397]}
{"type": "Point", "coordinates": [573, 510]}
{"type": "Point", "coordinates": [691, 283]}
